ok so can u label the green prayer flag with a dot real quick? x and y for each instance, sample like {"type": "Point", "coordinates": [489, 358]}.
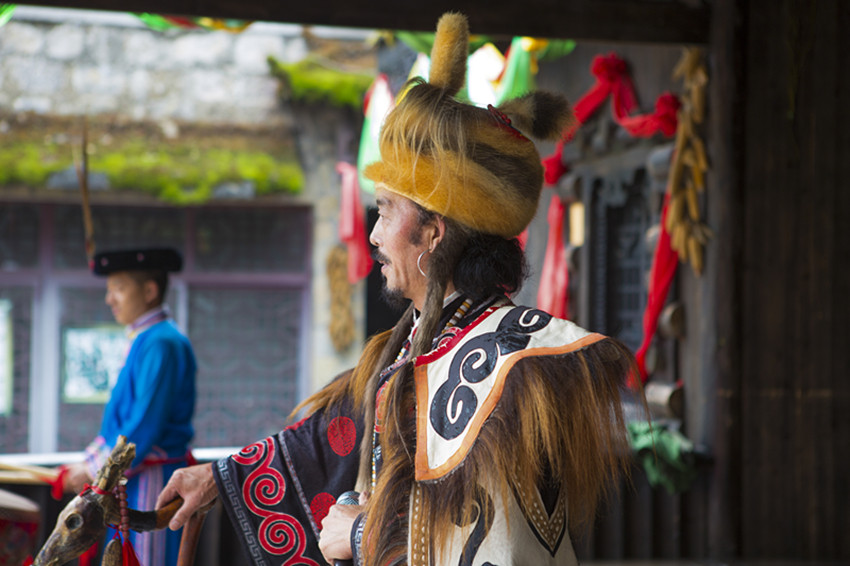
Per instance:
{"type": "Point", "coordinates": [155, 21]}
{"type": "Point", "coordinates": [517, 79]}
{"type": "Point", "coordinates": [6, 11]}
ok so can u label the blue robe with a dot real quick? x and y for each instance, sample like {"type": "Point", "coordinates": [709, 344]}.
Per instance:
{"type": "Point", "coordinates": [152, 405]}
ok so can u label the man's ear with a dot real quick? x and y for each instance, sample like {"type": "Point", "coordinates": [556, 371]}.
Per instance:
{"type": "Point", "coordinates": [437, 233]}
{"type": "Point", "coordinates": [151, 292]}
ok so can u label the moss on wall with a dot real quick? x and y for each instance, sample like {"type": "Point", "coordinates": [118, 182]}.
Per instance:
{"type": "Point", "coordinates": [179, 172]}
{"type": "Point", "coordinates": [311, 81]}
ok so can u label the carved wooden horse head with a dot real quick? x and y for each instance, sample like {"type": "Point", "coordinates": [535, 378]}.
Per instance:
{"type": "Point", "coordinates": [84, 520]}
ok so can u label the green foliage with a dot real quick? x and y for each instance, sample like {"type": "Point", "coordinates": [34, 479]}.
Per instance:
{"type": "Point", "coordinates": [29, 164]}
{"type": "Point", "coordinates": [179, 174]}
{"type": "Point", "coordinates": [311, 81]}
{"type": "Point", "coordinates": [666, 454]}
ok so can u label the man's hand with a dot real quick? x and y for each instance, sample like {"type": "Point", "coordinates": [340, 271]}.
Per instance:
{"type": "Point", "coordinates": [195, 485]}
{"type": "Point", "coordinates": [76, 477]}
{"type": "Point", "coordinates": [335, 538]}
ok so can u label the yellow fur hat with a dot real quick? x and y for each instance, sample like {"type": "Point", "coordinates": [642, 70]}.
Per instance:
{"type": "Point", "coordinates": [470, 164]}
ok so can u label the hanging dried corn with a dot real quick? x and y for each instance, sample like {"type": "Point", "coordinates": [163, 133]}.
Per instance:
{"type": "Point", "coordinates": [341, 326]}
{"type": "Point", "coordinates": [688, 233]}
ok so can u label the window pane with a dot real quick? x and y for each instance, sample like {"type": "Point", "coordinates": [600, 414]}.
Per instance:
{"type": "Point", "coordinates": [620, 259]}
{"type": "Point", "coordinates": [18, 236]}
{"type": "Point", "coordinates": [115, 227]}
{"type": "Point", "coordinates": [251, 239]}
{"type": "Point", "coordinates": [246, 343]}
{"type": "Point", "coordinates": [80, 422]}
{"type": "Point", "coordinates": [17, 302]}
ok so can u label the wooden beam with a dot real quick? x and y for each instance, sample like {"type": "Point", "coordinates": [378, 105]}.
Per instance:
{"type": "Point", "coordinates": [673, 21]}
{"type": "Point", "coordinates": [720, 342]}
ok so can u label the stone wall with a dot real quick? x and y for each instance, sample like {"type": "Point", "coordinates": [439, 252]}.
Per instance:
{"type": "Point", "coordinates": [117, 65]}
{"type": "Point", "coordinates": [72, 63]}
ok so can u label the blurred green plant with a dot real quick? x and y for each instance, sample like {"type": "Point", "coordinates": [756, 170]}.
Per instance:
{"type": "Point", "coordinates": [177, 173]}
{"type": "Point", "coordinates": [311, 81]}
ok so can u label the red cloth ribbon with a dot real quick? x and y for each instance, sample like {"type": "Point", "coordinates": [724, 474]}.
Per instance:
{"type": "Point", "coordinates": [553, 165]}
{"type": "Point", "coordinates": [612, 78]}
{"type": "Point", "coordinates": [664, 263]}
{"type": "Point", "coordinates": [352, 224]}
{"type": "Point", "coordinates": [663, 119]}
{"type": "Point", "coordinates": [552, 295]}
{"type": "Point", "coordinates": [57, 485]}
{"type": "Point", "coordinates": [94, 488]}
{"type": "Point", "coordinates": [28, 561]}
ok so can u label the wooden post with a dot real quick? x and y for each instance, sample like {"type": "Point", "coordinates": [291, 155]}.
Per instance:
{"type": "Point", "coordinates": [720, 336]}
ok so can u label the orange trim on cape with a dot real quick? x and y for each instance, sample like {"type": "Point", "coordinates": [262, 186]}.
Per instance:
{"type": "Point", "coordinates": [423, 471]}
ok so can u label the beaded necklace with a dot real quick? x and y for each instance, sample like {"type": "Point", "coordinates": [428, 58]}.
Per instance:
{"type": "Point", "coordinates": [448, 331]}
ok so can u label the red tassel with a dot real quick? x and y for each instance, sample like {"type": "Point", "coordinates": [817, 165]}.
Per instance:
{"type": "Point", "coordinates": [28, 561]}
{"type": "Point", "coordinates": [128, 553]}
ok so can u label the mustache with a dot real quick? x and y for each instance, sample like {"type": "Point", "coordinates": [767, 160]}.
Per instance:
{"type": "Point", "coordinates": [379, 257]}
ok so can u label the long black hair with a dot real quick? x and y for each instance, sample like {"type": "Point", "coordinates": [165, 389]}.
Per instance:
{"type": "Point", "coordinates": [484, 264]}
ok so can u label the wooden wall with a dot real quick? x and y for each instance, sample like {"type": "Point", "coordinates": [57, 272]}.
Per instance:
{"type": "Point", "coordinates": [795, 358]}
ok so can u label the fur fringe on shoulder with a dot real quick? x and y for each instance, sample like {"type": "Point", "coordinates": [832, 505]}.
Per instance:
{"type": "Point", "coordinates": [559, 422]}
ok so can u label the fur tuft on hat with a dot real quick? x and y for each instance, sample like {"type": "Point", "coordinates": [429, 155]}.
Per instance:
{"type": "Point", "coordinates": [448, 55]}
{"type": "Point", "coordinates": [474, 165]}
{"type": "Point", "coordinates": [543, 115]}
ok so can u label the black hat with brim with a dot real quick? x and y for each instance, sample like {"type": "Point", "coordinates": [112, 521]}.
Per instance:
{"type": "Point", "coordinates": [165, 259]}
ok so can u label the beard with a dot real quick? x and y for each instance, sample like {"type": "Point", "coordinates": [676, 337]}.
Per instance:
{"type": "Point", "coordinates": [394, 298]}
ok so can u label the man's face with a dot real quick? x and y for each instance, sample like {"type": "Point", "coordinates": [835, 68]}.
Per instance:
{"type": "Point", "coordinates": [397, 235]}
{"type": "Point", "coordinates": [127, 298]}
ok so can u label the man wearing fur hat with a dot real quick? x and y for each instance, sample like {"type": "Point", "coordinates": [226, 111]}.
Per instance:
{"type": "Point", "coordinates": [486, 431]}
